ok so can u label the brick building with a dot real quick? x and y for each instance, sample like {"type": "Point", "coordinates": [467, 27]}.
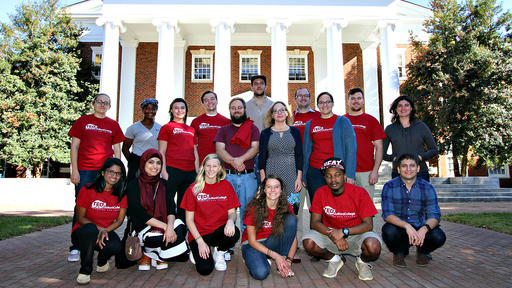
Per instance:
{"type": "Point", "coordinates": [169, 49]}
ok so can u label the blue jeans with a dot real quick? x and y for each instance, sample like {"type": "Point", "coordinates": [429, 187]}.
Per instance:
{"type": "Point", "coordinates": [256, 262]}
{"type": "Point", "coordinates": [86, 177]}
{"type": "Point", "coordinates": [314, 180]}
{"type": "Point", "coordinates": [245, 186]}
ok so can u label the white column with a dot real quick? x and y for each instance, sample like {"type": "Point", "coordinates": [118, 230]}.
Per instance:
{"type": "Point", "coordinates": [110, 61]}
{"type": "Point", "coordinates": [222, 74]}
{"type": "Point", "coordinates": [127, 86]}
{"type": "Point", "coordinates": [390, 84]}
{"type": "Point", "coordinates": [179, 68]}
{"type": "Point", "coordinates": [335, 70]}
{"type": "Point", "coordinates": [371, 81]}
{"type": "Point", "coordinates": [279, 59]}
{"type": "Point", "coordinates": [165, 67]}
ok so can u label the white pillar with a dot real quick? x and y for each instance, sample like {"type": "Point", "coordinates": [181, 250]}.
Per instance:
{"type": "Point", "coordinates": [127, 86]}
{"type": "Point", "coordinates": [335, 70]}
{"type": "Point", "coordinates": [179, 68]}
{"type": "Point", "coordinates": [279, 59]}
{"type": "Point", "coordinates": [165, 67]}
{"type": "Point", "coordinates": [390, 84]}
{"type": "Point", "coordinates": [222, 74]}
{"type": "Point", "coordinates": [371, 78]}
{"type": "Point", "coordinates": [110, 61]}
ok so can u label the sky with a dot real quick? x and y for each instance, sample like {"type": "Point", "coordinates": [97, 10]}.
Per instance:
{"type": "Point", "coordinates": [8, 7]}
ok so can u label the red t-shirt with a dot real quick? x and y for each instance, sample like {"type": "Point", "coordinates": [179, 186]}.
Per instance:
{"type": "Point", "coordinates": [181, 139]}
{"type": "Point", "coordinates": [225, 134]}
{"type": "Point", "coordinates": [346, 210]}
{"type": "Point", "coordinates": [210, 206]}
{"type": "Point", "coordinates": [102, 208]}
{"type": "Point", "coordinates": [206, 128]}
{"type": "Point", "coordinates": [300, 120]}
{"type": "Point", "coordinates": [367, 130]}
{"type": "Point", "coordinates": [97, 135]}
{"type": "Point", "coordinates": [320, 132]}
{"type": "Point", "coordinates": [266, 229]}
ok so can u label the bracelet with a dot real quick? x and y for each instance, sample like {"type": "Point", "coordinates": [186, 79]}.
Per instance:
{"type": "Point", "coordinates": [290, 260]}
{"type": "Point", "coordinates": [268, 252]}
{"type": "Point", "coordinates": [198, 238]}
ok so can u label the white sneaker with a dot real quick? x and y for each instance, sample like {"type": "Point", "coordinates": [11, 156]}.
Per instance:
{"type": "Point", "coordinates": [74, 255]}
{"type": "Point", "coordinates": [218, 258]}
{"type": "Point", "coordinates": [364, 269]}
{"type": "Point", "coordinates": [334, 265]}
{"type": "Point", "coordinates": [83, 279]}
{"type": "Point", "coordinates": [159, 265]}
{"type": "Point", "coordinates": [103, 268]}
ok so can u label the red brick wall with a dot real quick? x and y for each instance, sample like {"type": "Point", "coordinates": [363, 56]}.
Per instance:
{"type": "Point", "coordinates": [145, 77]}
{"type": "Point", "coordinates": [353, 70]}
{"type": "Point", "coordinates": [193, 91]}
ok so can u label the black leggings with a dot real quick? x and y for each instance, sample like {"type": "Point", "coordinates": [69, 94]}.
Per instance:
{"type": "Point", "coordinates": [398, 242]}
{"type": "Point", "coordinates": [85, 238]}
{"type": "Point", "coordinates": [215, 239]}
{"type": "Point", "coordinates": [178, 182]}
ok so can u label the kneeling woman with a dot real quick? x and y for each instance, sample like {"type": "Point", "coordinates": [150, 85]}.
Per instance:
{"type": "Point", "coordinates": [152, 212]}
{"type": "Point", "coordinates": [101, 207]}
{"type": "Point", "coordinates": [271, 231]}
{"type": "Point", "coordinates": [210, 205]}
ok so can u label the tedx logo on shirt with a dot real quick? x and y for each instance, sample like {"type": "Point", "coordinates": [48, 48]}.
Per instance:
{"type": "Point", "coordinates": [207, 197]}
{"type": "Point", "coordinates": [94, 127]}
{"type": "Point", "coordinates": [180, 131]}
{"type": "Point", "coordinates": [298, 123]}
{"type": "Point", "coordinates": [208, 126]}
{"type": "Point", "coordinates": [329, 211]}
{"type": "Point", "coordinates": [100, 205]}
{"type": "Point", "coordinates": [267, 224]}
{"type": "Point", "coordinates": [318, 129]}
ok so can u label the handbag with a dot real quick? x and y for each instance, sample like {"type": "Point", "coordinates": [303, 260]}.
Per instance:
{"type": "Point", "coordinates": [132, 248]}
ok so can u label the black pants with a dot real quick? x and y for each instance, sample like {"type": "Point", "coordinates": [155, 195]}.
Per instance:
{"type": "Point", "coordinates": [178, 182]}
{"type": "Point", "coordinates": [155, 245]}
{"type": "Point", "coordinates": [133, 167]}
{"type": "Point", "coordinates": [215, 239]}
{"type": "Point", "coordinates": [397, 241]}
{"type": "Point", "coordinates": [85, 238]}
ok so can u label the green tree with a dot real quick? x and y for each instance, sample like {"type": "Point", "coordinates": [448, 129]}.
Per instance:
{"type": "Point", "coordinates": [462, 80]}
{"type": "Point", "coordinates": [40, 92]}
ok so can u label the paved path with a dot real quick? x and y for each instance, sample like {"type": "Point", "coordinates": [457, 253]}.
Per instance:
{"type": "Point", "coordinates": [471, 257]}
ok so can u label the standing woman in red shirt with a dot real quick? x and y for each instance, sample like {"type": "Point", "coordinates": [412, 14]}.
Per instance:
{"type": "Point", "coordinates": [100, 209]}
{"type": "Point", "coordinates": [210, 205]}
{"type": "Point", "coordinates": [176, 141]}
{"type": "Point", "coordinates": [94, 139]}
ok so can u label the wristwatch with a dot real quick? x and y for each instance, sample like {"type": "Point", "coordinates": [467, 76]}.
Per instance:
{"type": "Point", "coordinates": [346, 232]}
{"type": "Point", "coordinates": [428, 227]}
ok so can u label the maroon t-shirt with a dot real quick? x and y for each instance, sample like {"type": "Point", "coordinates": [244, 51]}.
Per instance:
{"type": "Point", "coordinates": [226, 133]}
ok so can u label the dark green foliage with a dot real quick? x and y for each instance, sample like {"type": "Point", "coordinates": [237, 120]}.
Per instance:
{"type": "Point", "coordinates": [40, 92]}
{"type": "Point", "coordinates": [462, 80]}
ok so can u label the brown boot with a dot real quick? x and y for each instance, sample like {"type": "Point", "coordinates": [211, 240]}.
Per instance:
{"type": "Point", "coordinates": [145, 263]}
{"type": "Point", "coordinates": [421, 259]}
{"type": "Point", "coordinates": [399, 261]}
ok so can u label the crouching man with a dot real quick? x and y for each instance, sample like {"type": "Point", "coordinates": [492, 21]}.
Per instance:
{"type": "Point", "coordinates": [412, 214]}
{"type": "Point", "coordinates": [342, 223]}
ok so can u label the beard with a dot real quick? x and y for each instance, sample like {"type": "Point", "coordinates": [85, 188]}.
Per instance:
{"type": "Point", "coordinates": [336, 192]}
{"type": "Point", "coordinates": [239, 120]}
{"type": "Point", "coordinates": [356, 109]}
{"type": "Point", "coordinates": [259, 94]}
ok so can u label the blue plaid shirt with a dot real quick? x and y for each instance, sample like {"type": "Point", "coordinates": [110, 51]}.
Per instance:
{"type": "Point", "coordinates": [414, 206]}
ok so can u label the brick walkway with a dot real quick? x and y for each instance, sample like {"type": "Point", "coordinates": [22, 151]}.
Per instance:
{"type": "Point", "coordinates": [471, 257]}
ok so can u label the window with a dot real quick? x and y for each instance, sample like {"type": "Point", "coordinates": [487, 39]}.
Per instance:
{"type": "Point", "coordinates": [249, 64]}
{"type": "Point", "coordinates": [96, 62]}
{"type": "Point", "coordinates": [298, 66]}
{"type": "Point", "coordinates": [400, 62]}
{"type": "Point", "coordinates": [202, 68]}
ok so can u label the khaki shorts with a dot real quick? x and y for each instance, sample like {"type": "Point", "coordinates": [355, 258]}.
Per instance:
{"type": "Point", "coordinates": [362, 181]}
{"type": "Point", "coordinates": [354, 242]}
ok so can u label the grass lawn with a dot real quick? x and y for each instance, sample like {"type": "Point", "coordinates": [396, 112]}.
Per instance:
{"type": "Point", "coordinates": [11, 226]}
{"type": "Point", "coordinates": [499, 222]}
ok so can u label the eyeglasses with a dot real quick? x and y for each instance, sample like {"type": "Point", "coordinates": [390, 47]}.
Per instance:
{"type": "Point", "coordinates": [324, 103]}
{"type": "Point", "coordinates": [302, 96]}
{"type": "Point", "coordinates": [279, 111]}
{"type": "Point", "coordinates": [103, 103]}
{"type": "Point", "coordinates": [112, 172]}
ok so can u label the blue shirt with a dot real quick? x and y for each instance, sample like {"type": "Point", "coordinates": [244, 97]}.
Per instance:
{"type": "Point", "coordinates": [414, 206]}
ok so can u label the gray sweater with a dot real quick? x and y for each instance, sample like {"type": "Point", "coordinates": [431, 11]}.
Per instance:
{"type": "Point", "coordinates": [412, 140]}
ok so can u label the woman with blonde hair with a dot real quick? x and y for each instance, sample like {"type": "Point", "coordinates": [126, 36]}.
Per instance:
{"type": "Point", "coordinates": [210, 204]}
{"type": "Point", "coordinates": [281, 151]}
{"type": "Point", "coordinates": [271, 231]}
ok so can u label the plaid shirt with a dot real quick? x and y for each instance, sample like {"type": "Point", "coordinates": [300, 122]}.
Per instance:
{"type": "Point", "coordinates": [414, 206]}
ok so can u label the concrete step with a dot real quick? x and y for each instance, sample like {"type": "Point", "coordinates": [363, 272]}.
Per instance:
{"type": "Point", "coordinates": [480, 189]}
{"type": "Point", "coordinates": [476, 199]}
{"type": "Point", "coordinates": [491, 181]}
{"type": "Point", "coordinates": [473, 194]}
